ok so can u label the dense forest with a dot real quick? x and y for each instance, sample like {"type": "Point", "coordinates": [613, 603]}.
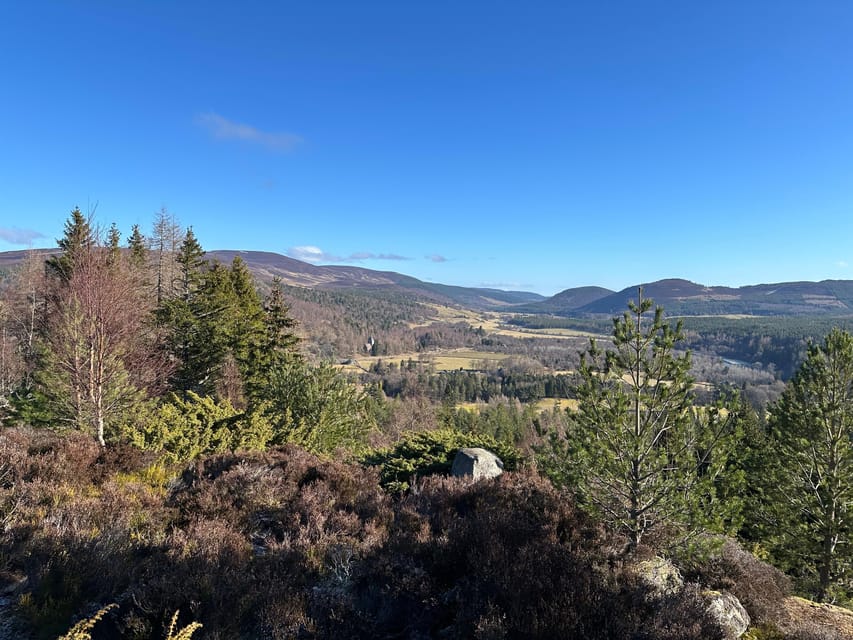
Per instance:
{"type": "Point", "coordinates": [180, 457]}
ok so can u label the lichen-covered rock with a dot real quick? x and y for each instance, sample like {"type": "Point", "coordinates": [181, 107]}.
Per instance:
{"type": "Point", "coordinates": [476, 463]}
{"type": "Point", "coordinates": [728, 612]}
{"type": "Point", "coordinates": [661, 575]}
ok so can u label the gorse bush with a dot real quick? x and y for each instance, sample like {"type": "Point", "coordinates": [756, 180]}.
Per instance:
{"type": "Point", "coordinates": [314, 407]}
{"type": "Point", "coordinates": [183, 428]}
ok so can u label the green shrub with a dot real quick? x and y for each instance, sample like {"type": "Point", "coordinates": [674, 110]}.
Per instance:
{"type": "Point", "coordinates": [317, 408]}
{"type": "Point", "coordinates": [430, 452]}
{"type": "Point", "coordinates": [184, 428]}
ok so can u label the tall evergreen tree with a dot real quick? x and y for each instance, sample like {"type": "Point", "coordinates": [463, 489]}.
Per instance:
{"type": "Point", "coordinates": [812, 424]}
{"type": "Point", "coordinates": [138, 251]}
{"type": "Point", "coordinates": [190, 259]}
{"type": "Point", "coordinates": [636, 451]}
{"type": "Point", "coordinates": [114, 244]}
{"type": "Point", "coordinates": [246, 328]}
{"type": "Point", "coordinates": [78, 239]}
{"type": "Point", "coordinates": [183, 318]}
{"type": "Point", "coordinates": [281, 339]}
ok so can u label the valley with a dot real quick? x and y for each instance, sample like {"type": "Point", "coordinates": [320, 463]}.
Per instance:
{"type": "Point", "coordinates": [260, 362]}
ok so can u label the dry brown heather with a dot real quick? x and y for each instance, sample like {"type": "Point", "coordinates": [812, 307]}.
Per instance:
{"type": "Point", "coordinates": [286, 545]}
{"type": "Point", "coordinates": [826, 619]}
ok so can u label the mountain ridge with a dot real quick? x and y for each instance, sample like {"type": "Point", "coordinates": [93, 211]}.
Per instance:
{"type": "Point", "coordinates": [684, 297]}
{"type": "Point", "coordinates": [678, 296]}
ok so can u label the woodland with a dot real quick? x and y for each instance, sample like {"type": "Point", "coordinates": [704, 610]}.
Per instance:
{"type": "Point", "coordinates": [187, 450]}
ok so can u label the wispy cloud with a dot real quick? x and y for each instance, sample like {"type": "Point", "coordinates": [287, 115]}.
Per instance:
{"type": "Point", "coordinates": [19, 236]}
{"type": "Point", "coordinates": [436, 258]}
{"type": "Point", "coordinates": [222, 128]}
{"type": "Point", "coordinates": [315, 255]}
{"type": "Point", "coordinates": [842, 264]}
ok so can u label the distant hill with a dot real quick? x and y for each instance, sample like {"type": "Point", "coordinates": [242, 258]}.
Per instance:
{"type": "Point", "coordinates": [266, 265]}
{"type": "Point", "coordinates": [10, 259]}
{"type": "Point", "coordinates": [567, 302]}
{"type": "Point", "coordinates": [682, 297]}
{"type": "Point", "coordinates": [677, 296]}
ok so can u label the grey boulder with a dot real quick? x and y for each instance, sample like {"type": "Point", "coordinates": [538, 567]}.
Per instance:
{"type": "Point", "coordinates": [476, 463]}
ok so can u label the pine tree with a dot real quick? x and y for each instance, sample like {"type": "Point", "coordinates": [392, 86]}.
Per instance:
{"type": "Point", "coordinates": [190, 259]}
{"type": "Point", "coordinates": [281, 340]}
{"type": "Point", "coordinates": [812, 424]}
{"type": "Point", "coordinates": [114, 244]}
{"type": "Point", "coordinates": [78, 239]}
{"type": "Point", "coordinates": [138, 251]}
{"type": "Point", "coordinates": [183, 320]}
{"type": "Point", "coordinates": [637, 452]}
{"type": "Point", "coordinates": [246, 329]}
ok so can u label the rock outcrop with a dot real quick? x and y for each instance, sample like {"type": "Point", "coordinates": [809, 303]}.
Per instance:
{"type": "Point", "coordinates": [476, 463]}
{"type": "Point", "coordinates": [664, 579]}
{"type": "Point", "coordinates": [661, 575]}
{"type": "Point", "coordinates": [728, 612]}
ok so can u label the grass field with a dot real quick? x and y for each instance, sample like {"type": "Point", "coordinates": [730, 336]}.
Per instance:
{"type": "Point", "coordinates": [545, 404]}
{"type": "Point", "coordinates": [444, 360]}
{"type": "Point", "coordinates": [465, 359]}
{"type": "Point", "coordinates": [496, 323]}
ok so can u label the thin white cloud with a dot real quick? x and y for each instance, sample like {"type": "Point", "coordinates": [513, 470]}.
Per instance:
{"type": "Point", "coordinates": [222, 128]}
{"type": "Point", "coordinates": [19, 236]}
{"type": "Point", "coordinates": [436, 258]}
{"type": "Point", "coordinates": [842, 264]}
{"type": "Point", "coordinates": [314, 255]}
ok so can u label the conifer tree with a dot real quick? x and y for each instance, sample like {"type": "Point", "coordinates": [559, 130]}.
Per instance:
{"type": "Point", "coordinates": [281, 340]}
{"type": "Point", "coordinates": [272, 345]}
{"type": "Point", "coordinates": [812, 424]}
{"type": "Point", "coordinates": [183, 319]}
{"type": "Point", "coordinates": [78, 238]}
{"type": "Point", "coordinates": [246, 328]}
{"type": "Point", "coordinates": [190, 259]}
{"type": "Point", "coordinates": [637, 452]}
{"type": "Point", "coordinates": [165, 241]}
{"type": "Point", "coordinates": [136, 244]}
{"type": "Point", "coordinates": [114, 243]}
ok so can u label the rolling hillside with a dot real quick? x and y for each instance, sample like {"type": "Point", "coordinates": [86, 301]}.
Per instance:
{"type": "Point", "coordinates": [677, 296]}
{"type": "Point", "coordinates": [293, 272]}
{"type": "Point", "coordinates": [682, 297]}
{"type": "Point", "coordinates": [567, 302]}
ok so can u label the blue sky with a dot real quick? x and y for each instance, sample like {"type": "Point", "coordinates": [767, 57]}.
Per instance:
{"type": "Point", "coordinates": [523, 145]}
